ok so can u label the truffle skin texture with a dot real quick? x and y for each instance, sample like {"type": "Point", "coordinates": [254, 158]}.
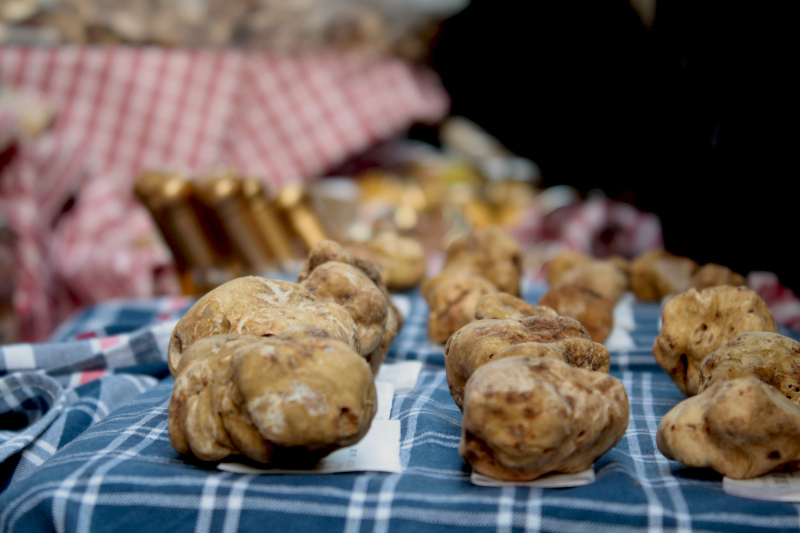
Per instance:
{"type": "Point", "coordinates": [451, 301]}
{"type": "Point", "coordinates": [489, 252]}
{"type": "Point", "coordinates": [286, 400]}
{"type": "Point", "coordinates": [741, 428]}
{"type": "Point", "coordinates": [697, 323]}
{"type": "Point", "coordinates": [525, 417]}
{"type": "Point", "coordinates": [502, 305]}
{"type": "Point", "coordinates": [602, 277]}
{"type": "Point", "coordinates": [483, 341]}
{"type": "Point", "coordinates": [327, 251]}
{"type": "Point", "coordinates": [563, 262]}
{"type": "Point", "coordinates": [310, 393]}
{"type": "Point", "coordinates": [589, 308]}
{"type": "Point", "coordinates": [400, 258]}
{"type": "Point", "coordinates": [352, 289]}
{"type": "Point", "coordinates": [258, 306]}
{"type": "Point", "coordinates": [713, 275]}
{"type": "Point", "coordinates": [377, 356]}
{"type": "Point", "coordinates": [658, 273]}
{"type": "Point", "coordinates": [768, 357]}
{"type": "Point", "coordinates": [196, 426]}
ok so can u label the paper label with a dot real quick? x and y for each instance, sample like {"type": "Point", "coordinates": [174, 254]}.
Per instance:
{"type": "Point", "coordinates": [385, 393]}
{"type": "Point", "coordinates": [620, 339]}
{"type": "Point", "coordinates": [403, 304]}
{"type": "Point", "coordinates": [549, 481]}
{"type": "Point", "coordinates": [378, 451]}
{"type": "Point", "coordinates": [401, 375]}
{"type": "Point", "coordinates": [623, 312]}
{"type": "Point", "coordinates": [778, 487]}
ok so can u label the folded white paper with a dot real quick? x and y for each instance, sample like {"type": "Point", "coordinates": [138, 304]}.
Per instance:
{"type": "Point", "coordinates": [550, 481]}
{"type": "Point", "coordinates": [623, 312]}
{"type": "Point", "coordinates": [778, 487]}
{"type": "Point", "coordinates": [402, 375]}
{"type": "Point", "coordinates": [378, 451]}
{"type": "Point", "coordinates": [385, 393]}
{"type": "Point", "coordinates": [402, 303]}
{"type": "Point", "coordinates": [620, 339]}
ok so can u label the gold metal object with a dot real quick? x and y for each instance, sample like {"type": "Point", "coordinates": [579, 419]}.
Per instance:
{"type": "Point", "coordinates": [168, 197]}
{"type": "Point", "coordinates": [268, 222]}
{"type": "Point", "coordinates": [302, 219]}
{"type": "Point", "coordinates": [222, 192]}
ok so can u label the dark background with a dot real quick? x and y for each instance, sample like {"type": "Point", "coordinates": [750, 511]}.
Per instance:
{"type": "Point", "coordinates": [690, 119]}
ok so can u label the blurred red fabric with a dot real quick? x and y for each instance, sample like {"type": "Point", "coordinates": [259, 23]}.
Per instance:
{"type": "Point", "coordinates": [81, 236]}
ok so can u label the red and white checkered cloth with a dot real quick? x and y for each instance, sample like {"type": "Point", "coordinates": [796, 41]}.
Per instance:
{"type": "Point", "coordinates": [120, 111]}
{"type": "Point", "coordinates": [279, 117]}
{"type": "Point", "coordinates": [8, 129]}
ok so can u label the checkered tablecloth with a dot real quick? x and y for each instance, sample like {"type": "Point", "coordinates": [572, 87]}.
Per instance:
{"type": "Point", "coordinates": [120, 110]}
{"type": "Point", "coordinates": [118, 472]}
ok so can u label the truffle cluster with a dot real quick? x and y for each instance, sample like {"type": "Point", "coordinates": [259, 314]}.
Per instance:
{"type": "Point", "coordinates": [282, 372]}
{"type": "Point", "coordinates": [742, 418]}
{"type": "Point", "coordinates": [400, 258]}
{"type": "Point", "coordinates": [485, 261]}
{"type": "Point", "coordinates": [587, 289]}
{"type": "Point", "coordinates": [695, 323]}
{"type": "Point", "coordinates": [745, 419]}
{"type": "Point", "coordinates": [533, 386]}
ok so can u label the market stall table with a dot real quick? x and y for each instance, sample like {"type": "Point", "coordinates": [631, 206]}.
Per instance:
{"type": "Point", "coordinates": [98, 466]}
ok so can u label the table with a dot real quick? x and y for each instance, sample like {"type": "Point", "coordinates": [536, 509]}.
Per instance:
{"type": "Point", "coordinates": [116, 471]}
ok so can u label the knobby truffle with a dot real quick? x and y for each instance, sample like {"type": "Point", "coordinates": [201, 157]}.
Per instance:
{"type": "Point", "coordinates": [502, 305]}
{"type": "Point", "coordinates": [742, 429]}
{"type": "Point", "coordinates": [400, 258]}
{"type": "Point", "coordinates": [525, 417]}
{"type": "Point", "coordinates": [490, 253]}
{"type": "Point", "coordinates": [658, 273]}
{"type": "Point", "coordinates": [258, 306]}
{"type": "Point", "coordinates": [591, 309]}
{"type": "Point", "coordinates": [745, 420]}
{"type": "Point", "coordinates": [289, 399]}
{"type": "Point", "coordinates": [696, 323]}
{"type": "Point", "coordinates": [483, 341]}
{"type": "Point", "coordinates": [604, 277]}
{"type": "Point", "coordinates": [354, 292]}
{"type": "Point", "coordinates": [452, 299]}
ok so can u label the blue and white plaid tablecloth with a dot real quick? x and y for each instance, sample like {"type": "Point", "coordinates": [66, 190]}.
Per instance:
{"type": "Point", "coordinates": [95, 454]}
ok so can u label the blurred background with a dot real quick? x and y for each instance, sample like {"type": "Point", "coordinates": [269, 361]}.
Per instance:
{"type": "Point", "coordinates": [151, 147]}
{"type": "Point", "coordinates": [681, 108]}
